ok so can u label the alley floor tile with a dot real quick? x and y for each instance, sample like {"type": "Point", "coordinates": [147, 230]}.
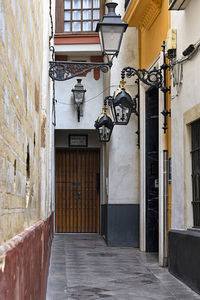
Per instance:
{"type": "Point", "coordinates": [83, 267]}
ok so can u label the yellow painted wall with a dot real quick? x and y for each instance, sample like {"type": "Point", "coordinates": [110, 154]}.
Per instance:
{"type": "Point", "coordinates": [152, 38]}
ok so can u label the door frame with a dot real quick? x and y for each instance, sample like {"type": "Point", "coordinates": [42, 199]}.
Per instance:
{"type": "Point", "coordinates": [143, 88]}
{"type": "Point", "coordinates": [149, 90]}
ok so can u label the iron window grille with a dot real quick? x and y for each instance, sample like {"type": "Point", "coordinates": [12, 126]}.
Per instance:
{"type": "Point", "coordinates": [195, 128]}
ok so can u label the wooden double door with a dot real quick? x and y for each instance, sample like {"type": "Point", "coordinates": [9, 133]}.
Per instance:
{"type": "Point", "coordinates": [77, 190]}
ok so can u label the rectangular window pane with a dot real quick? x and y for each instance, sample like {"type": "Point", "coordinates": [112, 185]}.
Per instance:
{"type": "Point", "coordinates": [96, 3]}
{"type": "Point", "coordinates": [96, 14]}
{"type": "Point", "coordinates": [86, 14]}
{"type": "Point", "coordinates": [67, 27]}
{"type": "Point", "coordinates": [76, 15]}
{"type": "Point", "coordinates": [67, 16]}
{"type": "Point", "coordinates": [67, 4]}
{"type": "Point", "coordinates": [86, 26]}
{"type": "Point", "coordinates": [76, 4]}
{"type": "Point", "coordinates": [94, 25]}
{"type": "Point", "coordinates": [87, 3]}
{"type": "Point", "coordinates": [76, 26]}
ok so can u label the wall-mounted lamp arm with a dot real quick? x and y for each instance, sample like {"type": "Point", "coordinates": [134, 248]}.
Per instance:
{"type": "Point", "coordinates": [65, 70]}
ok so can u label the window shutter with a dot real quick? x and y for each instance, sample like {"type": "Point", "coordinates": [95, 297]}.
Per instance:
{"type": "Point", "coordinates": [59, 16]}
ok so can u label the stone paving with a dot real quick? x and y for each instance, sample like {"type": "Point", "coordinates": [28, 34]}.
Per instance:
{"type": "Point", "coordinates": [83, 268]}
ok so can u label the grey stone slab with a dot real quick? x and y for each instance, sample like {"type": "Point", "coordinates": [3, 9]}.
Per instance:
{"type": "Point", "coordinates": [83, 268]}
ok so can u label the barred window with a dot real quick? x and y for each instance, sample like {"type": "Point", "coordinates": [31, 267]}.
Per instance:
{"type": "Point", "coordinates": [195, 127]}
{"type": "Point", "coordinates": [81, 15]}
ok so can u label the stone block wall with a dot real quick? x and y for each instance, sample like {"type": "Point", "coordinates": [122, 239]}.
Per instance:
{"type": "Point", "coordinates": [24, 138]}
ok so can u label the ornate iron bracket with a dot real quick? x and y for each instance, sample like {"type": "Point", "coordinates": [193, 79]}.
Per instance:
{"type": "Point", "coordinates": [155, 78]}
{"type": "Point", "coordinates": [151, 78]}
{"type": "Point", "coordinates": [165, 90]}
{"type": "Point", "coordinates": [65, 70]}
{"type": "Point", "coordinates": [137, 110]}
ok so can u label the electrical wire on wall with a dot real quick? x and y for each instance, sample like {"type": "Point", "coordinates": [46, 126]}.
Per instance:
{"type": "Point", "coordinates": [52, 49]}
{"type": "Point", "coordinates": [95, 97]}
{"type": "Point", "coordinates": [176, 66]}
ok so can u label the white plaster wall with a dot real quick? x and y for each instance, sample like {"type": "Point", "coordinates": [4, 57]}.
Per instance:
{"type": "Point", "coordinates": [123, 181]}
{"type": "Point", "coordinates": [61, 138]}
{"type": "Point", "coordinates": [187, 23]}
{"type": "Point", "coordinates": [66, 113]}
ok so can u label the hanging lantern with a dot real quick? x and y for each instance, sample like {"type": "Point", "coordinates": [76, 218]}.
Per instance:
{"type": "Point", "coordinates": [111, 31]}
{"type": "Point", "coordinates": [122, 105]}
{"type": "Point", "coordinates": [104, 125]}
{"type": "Point", "coordinates": [79, 94]}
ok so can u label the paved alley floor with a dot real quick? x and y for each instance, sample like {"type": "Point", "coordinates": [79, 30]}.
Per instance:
{"type": "Point", "coordinates": [83, 268]}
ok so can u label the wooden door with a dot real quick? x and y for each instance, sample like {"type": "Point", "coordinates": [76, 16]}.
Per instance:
{"type": "Point", "coordinates": [77, 190]}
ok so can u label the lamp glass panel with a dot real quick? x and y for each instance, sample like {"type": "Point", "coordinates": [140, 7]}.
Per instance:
{"type": "Point", "coordinates": [104, 133]}
{"type": "Point", "coordinates": [111, 37]}
{"type": "Point", "coordinates": [122, 114]}
{"type": "Point", "coordinates": [78, 97]}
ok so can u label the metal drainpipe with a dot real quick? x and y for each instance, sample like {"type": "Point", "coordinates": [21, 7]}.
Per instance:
{"type": "Point", "coordinates": [165, 201]}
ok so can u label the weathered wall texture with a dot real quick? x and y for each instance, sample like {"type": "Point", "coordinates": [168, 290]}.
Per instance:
{"type": "Point", "coordinates": [185, 109]}
{"type": "Point", "coordinates": [24, 263]}
{"type": "Point", "coordinates": [24, 73]}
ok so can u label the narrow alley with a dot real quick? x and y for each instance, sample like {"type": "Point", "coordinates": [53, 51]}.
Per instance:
{"type": "Point", "coordinates": [83, 268]}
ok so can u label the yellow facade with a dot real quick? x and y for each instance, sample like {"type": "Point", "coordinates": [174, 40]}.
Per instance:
{"type": "Point", "coordinates": [152, 18]}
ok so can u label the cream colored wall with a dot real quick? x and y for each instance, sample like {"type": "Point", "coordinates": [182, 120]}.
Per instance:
{"type": "Point", "coordinates": [23, 76]}
{"type": "Point", "coordinates": [185, 109]}
{"type": "Point", "coordinates": [123, 173]}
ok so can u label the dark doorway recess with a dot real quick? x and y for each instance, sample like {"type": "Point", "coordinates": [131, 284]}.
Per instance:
{"type": "Point", "coordinates": [152, 170]}
{"type": "Point", "coordinates": [77, 190]}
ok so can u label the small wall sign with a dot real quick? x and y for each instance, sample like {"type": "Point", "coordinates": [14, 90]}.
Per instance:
{"type": "Point", "coordinates": [78, 140]}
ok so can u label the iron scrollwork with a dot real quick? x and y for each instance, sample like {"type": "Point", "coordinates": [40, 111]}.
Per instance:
{"type": "Point", "coordinates": [152, 78]}
{"type": "Point", "coordinates": [65, 70]}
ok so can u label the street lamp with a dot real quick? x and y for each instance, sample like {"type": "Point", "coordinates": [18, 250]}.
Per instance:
{"type": "Point", "coordinates": [79, 94]}
{"type": "Point", "coordinates": [122, 105]}
{"type": "Point", "coordinates": [104, 124]}
{"type": "Point", "coordinates": [111, 31]}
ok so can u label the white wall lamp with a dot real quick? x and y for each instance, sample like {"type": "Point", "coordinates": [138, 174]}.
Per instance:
{"type": "Point", "coordinates": [79, 96]}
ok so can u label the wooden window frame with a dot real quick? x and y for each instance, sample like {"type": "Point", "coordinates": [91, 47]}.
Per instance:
{"type": "Point", "coordinates": [195, 156]}
{"type": "Point", "coordinates": [60, 19]}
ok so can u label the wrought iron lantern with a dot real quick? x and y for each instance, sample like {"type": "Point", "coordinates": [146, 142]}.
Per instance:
{"type": "Point", "coordinates": [104, 125]}
{"type": "Point", "coordinates": [122, 105]}
{"type": "Point", "coordinates": [79, 94]}
{"type": "Point", "coordinates": [111, 31]}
